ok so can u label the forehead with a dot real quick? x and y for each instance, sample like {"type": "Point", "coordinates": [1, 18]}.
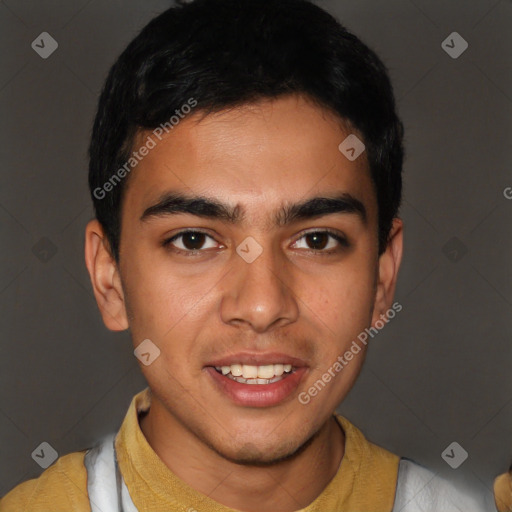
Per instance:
{"type": "Point", "coordinates": [257, 156]}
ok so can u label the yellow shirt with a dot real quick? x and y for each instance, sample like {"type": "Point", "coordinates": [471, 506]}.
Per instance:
{"type": "Point", "coordinates": [503, 492]}
{"type": "Point", "coordinates": [365, 481]}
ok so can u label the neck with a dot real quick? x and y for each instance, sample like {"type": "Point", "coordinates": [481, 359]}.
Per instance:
{"type": "Point", "coordinates": [284, 487]}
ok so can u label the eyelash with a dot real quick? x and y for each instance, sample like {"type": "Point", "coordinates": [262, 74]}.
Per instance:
{"type": "Point", "coordinates": [343, 242]}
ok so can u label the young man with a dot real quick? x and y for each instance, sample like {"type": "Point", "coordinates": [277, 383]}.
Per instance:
{"type": "Point", "coordinates": [245, 168]}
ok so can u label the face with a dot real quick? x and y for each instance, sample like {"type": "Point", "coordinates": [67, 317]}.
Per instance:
{"type": "Point", "coordinates": [254, 277]}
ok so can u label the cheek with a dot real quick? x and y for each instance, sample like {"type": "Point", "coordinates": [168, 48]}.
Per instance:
{"type": "Point", "coordinates": [162, 300]}
{"type": "Point", "coordinates": [341, 300]}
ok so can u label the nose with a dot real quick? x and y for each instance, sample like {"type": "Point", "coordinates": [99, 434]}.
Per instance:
{"type": "Point", "coordinates": [259, 294]}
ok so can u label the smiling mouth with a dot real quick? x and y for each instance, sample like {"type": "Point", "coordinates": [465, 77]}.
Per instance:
{"type": "Point", "coordinates": [250, 374]}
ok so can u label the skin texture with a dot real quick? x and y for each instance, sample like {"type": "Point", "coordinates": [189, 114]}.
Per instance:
{"type": "Point", "coordinates": [291, 299]}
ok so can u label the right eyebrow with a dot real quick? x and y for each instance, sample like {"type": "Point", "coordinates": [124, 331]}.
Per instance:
{"type": "Point", "coordinates": [173, 203]}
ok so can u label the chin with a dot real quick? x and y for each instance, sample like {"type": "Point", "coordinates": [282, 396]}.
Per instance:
{"type": "Point", "coordinates": [264, 454]}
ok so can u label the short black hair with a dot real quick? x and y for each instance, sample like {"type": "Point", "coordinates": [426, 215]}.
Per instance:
{"type": "Point", "coordinates": [226, 53]}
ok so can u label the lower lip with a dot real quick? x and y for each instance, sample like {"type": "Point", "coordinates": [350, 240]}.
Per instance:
{"type": "Point", "coordinates": [257, 395]}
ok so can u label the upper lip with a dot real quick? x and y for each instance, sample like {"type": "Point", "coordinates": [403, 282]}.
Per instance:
{"type": "Point", "coordinates": [257, 359]}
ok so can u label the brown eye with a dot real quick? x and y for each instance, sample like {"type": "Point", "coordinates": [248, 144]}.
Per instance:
{"type": "Point", "coordinates": [322, 241]}
{"type": "Point", "coordinates": [190, 241]}
{"type": "Point", "coordinates": [317, 241]}
{"type": "Point", "coordinates": [193, 241]}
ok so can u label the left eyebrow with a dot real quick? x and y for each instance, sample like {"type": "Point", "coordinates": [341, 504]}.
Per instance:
{"type": "Point", "coordinates": [320, 206]}
{"type": "Point", "coordinates": [173, 203]}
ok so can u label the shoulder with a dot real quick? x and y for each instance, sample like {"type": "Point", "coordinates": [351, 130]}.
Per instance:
{"type": "Point", "coordinates": [61, 487]}
{"type": "Point", "coordinates": [503, 491]}
{"type": "Point", "coordinates": [419, 489]}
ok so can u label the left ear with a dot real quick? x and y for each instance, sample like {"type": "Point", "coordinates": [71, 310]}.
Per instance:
{"type": "Point", "coordinates": [389, 263]}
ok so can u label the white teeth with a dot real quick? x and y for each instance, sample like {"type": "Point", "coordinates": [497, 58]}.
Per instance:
{"type": "Point", "coordinates": [249, 371]}
{"type": "Point", "coordinates": [253, 381]}
{"type": "Point", "coordinates": [236, 370]}
{"type": "Point", "coordinates": [252, 374]}
{"type": "Point", "coordinates": [278, 369]}
{"type": "Point", "coordinates": [266, 372]}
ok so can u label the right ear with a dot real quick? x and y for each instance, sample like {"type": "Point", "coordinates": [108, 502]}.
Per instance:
{"type": "Point", "coordinates": [105, 278]}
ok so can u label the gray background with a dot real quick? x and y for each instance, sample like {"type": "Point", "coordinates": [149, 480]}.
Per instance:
{"type": "Point", "coordinates": [439, 372]}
